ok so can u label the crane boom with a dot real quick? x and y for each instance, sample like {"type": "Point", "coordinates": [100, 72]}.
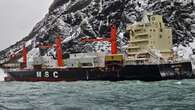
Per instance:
{"type": "Point", "coordinates": [112, 39]}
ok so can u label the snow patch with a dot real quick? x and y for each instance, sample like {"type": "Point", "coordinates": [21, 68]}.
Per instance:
{"type": "Point", "coordinates": [184, 52]}
{"type": "Point", "coordinates": [28, 43]}
{"type": "Point", "coordinates": [73, 36]}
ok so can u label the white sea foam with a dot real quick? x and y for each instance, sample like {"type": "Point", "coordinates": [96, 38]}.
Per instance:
{"type": "Point", "coordinates": [179, 82]}
{"type": "Point", "coordinates": [2, 75]}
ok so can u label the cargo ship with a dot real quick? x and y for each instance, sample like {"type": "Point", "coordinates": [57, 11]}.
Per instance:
{"type": "Point", "coordinates": [148, 57]}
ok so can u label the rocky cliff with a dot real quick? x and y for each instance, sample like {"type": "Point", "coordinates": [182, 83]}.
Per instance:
{"type": "Point", "coordinates": [76, 19]}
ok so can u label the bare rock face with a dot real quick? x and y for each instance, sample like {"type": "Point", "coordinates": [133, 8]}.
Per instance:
{"type": "Point", "coordinates": [76, 19]}
{"type": "Point", "coordinates": [57, 3]}
{"type": "Point", "coordinates": [92, 18]}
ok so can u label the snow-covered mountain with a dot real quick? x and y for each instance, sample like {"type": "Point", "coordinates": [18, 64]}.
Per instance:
{"type": "Point", "coordinates": [76, 19]}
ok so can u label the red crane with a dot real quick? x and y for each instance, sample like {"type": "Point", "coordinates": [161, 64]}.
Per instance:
{"type": "Point", "coordinates": [112, 39]}
{"type": "Point", "coordinates": [58, 47]}
{"type": "Point", "coordinates": [24, 54]}
{"type": "Point", "coordinates": [59, 51]}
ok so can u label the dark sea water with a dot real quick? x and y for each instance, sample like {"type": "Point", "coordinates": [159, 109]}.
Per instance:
{"type": "Point", "coordinates": [125, 95]}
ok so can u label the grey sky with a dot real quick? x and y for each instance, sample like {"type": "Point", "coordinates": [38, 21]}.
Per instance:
{"type": "Point", "coordinates": [17, 18]}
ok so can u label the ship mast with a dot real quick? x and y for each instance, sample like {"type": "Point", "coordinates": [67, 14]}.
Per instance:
{"type": "Point", "coordinates": [24, 54]}
{"type": "Point", "coordinates": [112, 39]}
{"type": "Point", "coordinates": [59, 51]}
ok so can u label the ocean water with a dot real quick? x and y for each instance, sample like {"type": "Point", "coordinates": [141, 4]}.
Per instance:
{"type": "Point", "coordinates": [83, 95]}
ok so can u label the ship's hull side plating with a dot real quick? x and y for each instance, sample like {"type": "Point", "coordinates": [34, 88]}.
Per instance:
{"type": "Point", "coordinates": [128, 72]}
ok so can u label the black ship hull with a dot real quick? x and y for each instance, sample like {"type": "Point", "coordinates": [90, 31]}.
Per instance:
{"type": "Point", "coordinates": [150, 72]}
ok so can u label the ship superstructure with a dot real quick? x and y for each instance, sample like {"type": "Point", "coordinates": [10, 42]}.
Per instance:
{"type": "Point", "coordinates": [150, 42]}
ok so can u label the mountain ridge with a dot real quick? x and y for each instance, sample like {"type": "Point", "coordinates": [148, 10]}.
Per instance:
{"type": "Point", "coordinates": [76, 19]}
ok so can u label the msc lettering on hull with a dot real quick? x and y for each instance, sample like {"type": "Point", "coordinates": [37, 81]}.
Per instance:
{"type": "Point", "coordinates": [46, 74]}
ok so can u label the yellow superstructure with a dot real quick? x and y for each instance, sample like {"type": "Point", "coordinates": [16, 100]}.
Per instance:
{"type": "Point", "coordinates": [148, 36]}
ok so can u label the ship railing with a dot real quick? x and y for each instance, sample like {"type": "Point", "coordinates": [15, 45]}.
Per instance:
{"type": "Point", "coordinates": [182, 60]}
{"type": "Point", "coordinates": [135, 63]}
{"type": "Point", "coordinates": [10, 69]}
{"type": "Point", "coordinates": [142, 61]}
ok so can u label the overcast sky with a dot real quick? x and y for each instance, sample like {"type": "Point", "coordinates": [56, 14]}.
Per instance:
{"type": "Point", "coordinates": [17, 18]}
